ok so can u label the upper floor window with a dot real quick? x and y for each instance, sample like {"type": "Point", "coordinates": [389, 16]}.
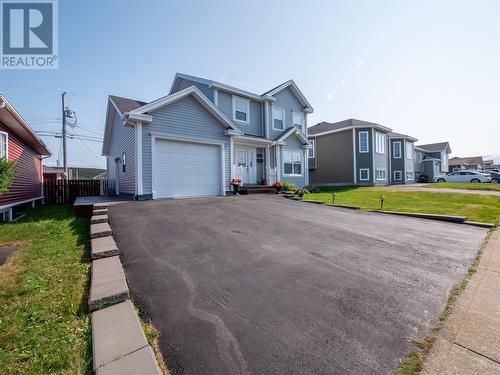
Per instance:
{"type": "Point", "coordinates": [298, 120]}
{"type": "Point", "coordinates": [292, 162]}
{"type": "Point", "coordinates": [396, 150]}
{"type": "Point", "coordinates": [380, 143]}
{"type": "Point", "coordinates": [409, 150]}
{"type": "Point", "coordinates": [4, 147]}
{"type": "Point", "coordinates": [363, 142]}
{"type": "Point", "coordinates": [124, 163]}
{"type": "Point", "coordinates": [278, 118]}
{"type": "Point", "coordinates": [241, 109]}
{"type": "Point", "coordinates": [312, 150]}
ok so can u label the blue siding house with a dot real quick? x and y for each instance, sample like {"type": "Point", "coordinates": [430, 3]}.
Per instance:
{"type": "Point", "coordinates": [204, 133]}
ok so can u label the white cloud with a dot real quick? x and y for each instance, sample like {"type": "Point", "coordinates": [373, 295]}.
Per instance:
{"type": "Point", "coordinates": [330, 96]}
{"type": "Point", "coordinates": [360, 64]}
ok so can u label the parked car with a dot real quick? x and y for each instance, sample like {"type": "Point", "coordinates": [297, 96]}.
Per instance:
{"type": "Point", "coordinates": [495, 176]}
{"type": "Point", "coordinates": [463, 176]}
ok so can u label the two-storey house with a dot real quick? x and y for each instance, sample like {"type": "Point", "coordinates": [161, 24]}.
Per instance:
{"type": "Point", "coordinates": [196, 139]}
{"type": "Point", "coordinates": [431, 160]}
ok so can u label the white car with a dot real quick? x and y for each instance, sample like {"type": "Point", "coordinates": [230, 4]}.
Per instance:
{"type": "Point", "coordinates": [463, 176]}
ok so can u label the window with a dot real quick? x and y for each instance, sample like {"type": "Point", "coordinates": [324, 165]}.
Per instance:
{"type": "Point", "coordinates": [363, 142]}
{"type": "Point", "coordinates": [4, 147]}
{"type": "Point", "coordinates": [409, 175]}
{"type": "Point", "coordinates": [312, 150]}
{"type": "Point", "coordinates": [241, 109]}
{"type": "Point", "coordinates": [398, 175]}
{"type": "Point", "coordinates": [292, 163]}
{"type": "Point", "coordinates": [380, 174]}
{"type": "Point", "coordinates": [409, 150]}
{"type": "Point", "coordinates": [380, 143]}
{"type": "Point", "coordinates": [124, 163]}
{"type": "Point", "coordinates": [364, 174]}
{"type": "Point", "coordinates": [278, 118]}
{"type": "Point", "coordinates": [420, 157]}
{"type": "Point", "coordinates": [298, 120]}
{"type": "Point", "coordinates": [396, 150]}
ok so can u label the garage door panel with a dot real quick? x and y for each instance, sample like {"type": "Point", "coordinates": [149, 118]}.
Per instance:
{"type": "Point", "coordinates": [187, 169]}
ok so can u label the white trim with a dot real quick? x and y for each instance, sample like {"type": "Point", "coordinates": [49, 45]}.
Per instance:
{"type": "Point", "coordinates": [354, 153]}
{"type": "Point", "coordinates": [266, 119]}
{"type": "Point", "coordinates": [295, 89]}
{"type": "Point", "coordinates": [400, 174]}
{"type": "Point", "coordinates": [247, 101]}
{"type": "Point", "coordinates": [302, 164]}
{"type": "Point", "coordinates": [313, 148]}
{"type": "Point", "coordinates": [197, 94]}
{"type": "Point", "coordinates": [14, 204]}
{"type": "Point", "coordinates": [412, 176]}
{"type": "Point", "coordinates": [297, 132]}
{"type": "Point", "coordinates": [6, 144]}
{"type": "Point", "coordinates": [381, 178]}
{"type": "Point", "coordinates": [383, 143]}
{"type": "Point", "coordinates": [306, 166]}
{"type": "Point", "coordinates": [277, 107]}
{"type": "Point", "coordinates": [380, 127]}
{"type": "Point", "coordinates": [155, 136]}
{"type": "Point", "coordinates": [216, 97]}
{"type": "Point", "coordinates": [409, 155]}
{"type": "Point", "coordinates": [373, 154]}
{"type": "Point", "coordinates": [394, 150]}
{"type": "Point", "coordinates": [367, 141]}
{"type": "Point", "coordinates": [302, 124]}
{"type": "Point", "coordinates": [138, 158]}
{"type": "Point", "coordinates": [367, 174]}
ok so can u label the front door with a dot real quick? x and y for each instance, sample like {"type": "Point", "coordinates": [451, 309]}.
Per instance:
{"type": "Point", "coordinates": [245, 167]}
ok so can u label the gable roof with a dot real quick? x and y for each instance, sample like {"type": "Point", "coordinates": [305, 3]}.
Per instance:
{"type": "Point", "coordinates": [125, 104]}
{"type": "Point", "coordinates": [329, 127]}
{"type": "Point", "coordinates": [13, 120]}
{"type": "Point", "coordinates": [434, 147]}
{"type": "Point", "coordinates": [402, 136]}
{"type": "Point", "coordinates": [268, 95]}
{"type": "Point", "coordinates": [473, 160]}
{"type": "Point", "coordinates": [295, 90]}
{"type": "Point", "coordinates": [171, 98]}
{"type": "Point", "coordinates": [289, 131]}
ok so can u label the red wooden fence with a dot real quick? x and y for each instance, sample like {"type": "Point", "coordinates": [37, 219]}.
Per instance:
{"type": "Point", "coordinates": [66, 191]}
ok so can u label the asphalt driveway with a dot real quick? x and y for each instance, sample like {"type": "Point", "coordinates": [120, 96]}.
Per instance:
{"type": "Point", "coordinates": [265, 285]}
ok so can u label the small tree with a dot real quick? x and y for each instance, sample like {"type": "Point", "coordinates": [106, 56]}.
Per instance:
{"type": "Point", "coordinates": [7, 173]}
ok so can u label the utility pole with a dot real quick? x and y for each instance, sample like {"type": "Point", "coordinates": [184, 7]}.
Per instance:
{"type": "Point", "coordinates": [65, 161]}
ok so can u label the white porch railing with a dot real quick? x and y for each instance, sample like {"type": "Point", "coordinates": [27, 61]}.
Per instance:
{"type": "Point", "coordinates": [271, 176]}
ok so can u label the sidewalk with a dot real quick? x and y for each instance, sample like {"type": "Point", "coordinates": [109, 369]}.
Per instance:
{"type": "Point", "coordinates": [469, 343]}
{"type": "Point", "coordinates": [420, 187]}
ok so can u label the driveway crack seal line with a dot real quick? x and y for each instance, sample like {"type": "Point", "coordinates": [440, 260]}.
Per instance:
{"type": "Point", "coordinates": [123, 346]}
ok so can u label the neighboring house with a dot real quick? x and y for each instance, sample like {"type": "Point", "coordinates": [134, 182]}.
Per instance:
{"type": "Point", "coordinates": [431, 160]}
{"type": "Point", "coordinates": [471, 163]}
{"type": "Point", "coordinates": [349, 152]}
{"type": "Point", "coordinates": [490, 164]}
{"type": "Point", "coordinates": [74, 173]}
{"type": "Point", "coordinates": [20, 143]}
{"type": "Point", "coordinates": [401, 158]}
{"type": "Point", "coordinates": [193, 141]}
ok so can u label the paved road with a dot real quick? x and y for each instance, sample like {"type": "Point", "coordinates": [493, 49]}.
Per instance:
{"type": "Point", "coordinates": [420, 187]}
{"type": "Point", "coordinates": [264, 285]}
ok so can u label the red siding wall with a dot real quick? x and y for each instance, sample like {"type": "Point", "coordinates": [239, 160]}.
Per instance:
{"type": "Point", "coordinates": [28, 179]}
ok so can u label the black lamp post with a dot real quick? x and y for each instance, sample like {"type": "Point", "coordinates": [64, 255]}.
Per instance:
{"type": "Point", "coordinates": [382, 198]}
{"type": "Point", "coordinates": [334, 195]}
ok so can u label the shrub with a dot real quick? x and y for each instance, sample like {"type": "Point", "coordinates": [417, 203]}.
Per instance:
{"type": "Point", "coordinates": [311, 189]}
{"type": "Point", "coordinates": [287, 186]}
{"type": "Point", "coordinates": [7, 172]}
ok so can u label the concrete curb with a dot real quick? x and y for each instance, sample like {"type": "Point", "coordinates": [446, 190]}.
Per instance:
{"type": "Point", "coordinates": [100, 212]}
{"type": "Point", "coordinates": [313, 201]}
{"type": "Point", "coordinates": [343, 206]}
{"type": "Point", "coordinates": [119, 345]}
{"type": "Point", "coordinates": [479, 224]}
{"type": "Point", "coordinates": [96, 219]}
{"type": "Point", "coordinates": [448, 218]}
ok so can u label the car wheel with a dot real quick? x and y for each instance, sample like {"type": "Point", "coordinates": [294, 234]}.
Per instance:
{"type": "Point", "coordinates": [441, 180]}
{"type": "Point", "coordinates": [494, 181]}
{"type": "Point", "coordinates": [475, 181]}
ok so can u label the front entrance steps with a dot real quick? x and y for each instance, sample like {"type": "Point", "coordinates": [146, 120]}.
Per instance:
{"type": "Point", "coordinates": [256, 189]}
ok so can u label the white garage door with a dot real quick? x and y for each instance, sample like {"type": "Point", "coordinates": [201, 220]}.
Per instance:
{"type": "Point", "coordinates": [184, 169]}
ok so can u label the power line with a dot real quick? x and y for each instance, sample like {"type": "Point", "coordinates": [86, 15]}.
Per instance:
{"type": "Point", "coordinates": [47, 89]}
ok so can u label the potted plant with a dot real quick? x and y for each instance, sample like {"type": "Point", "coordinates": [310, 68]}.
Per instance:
{"type": "Point", "coordinates": [236, 183]}
{"type": "Point", "coordinates": [277, 185]}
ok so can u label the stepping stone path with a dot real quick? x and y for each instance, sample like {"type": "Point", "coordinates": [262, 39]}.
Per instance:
{"type": "Point", "coordinates": [118, 341]}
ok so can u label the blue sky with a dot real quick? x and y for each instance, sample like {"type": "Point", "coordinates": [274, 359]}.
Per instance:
{"type": "Point", "coordinates": [426, 68]}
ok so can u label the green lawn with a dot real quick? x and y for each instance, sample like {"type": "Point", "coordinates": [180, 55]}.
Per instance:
{"type": "Point", "coordinates": [44, 322]}
{"type": "Point", "coordinates": [465, 185]}
{"type": "Point", "coordinates": [485, 208]}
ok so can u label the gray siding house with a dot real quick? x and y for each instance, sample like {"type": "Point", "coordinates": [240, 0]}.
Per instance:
{"type": "Point", "coordinates": [431, 160]}
{"type": "Point", "coordinates": [194, 140]}
{"type": "Point", "coordinates": [401, 158]}
{"type": "Point", "coordinates": [471, 163]}
{"type": "Point", "coordinates": [349, 152]}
